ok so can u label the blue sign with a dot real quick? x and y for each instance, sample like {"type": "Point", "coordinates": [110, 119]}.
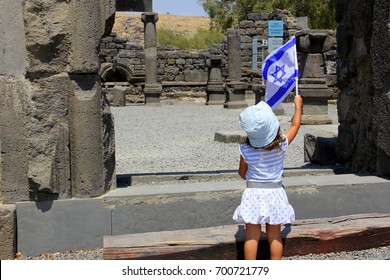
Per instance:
{"type": "Point", "coordinates": [275, 28]}
{"type": "Point", "coordinates": [274, 43]}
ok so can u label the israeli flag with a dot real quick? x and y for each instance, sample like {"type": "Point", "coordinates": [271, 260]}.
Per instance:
{"type": "Point", "coordinates": [280, 70]}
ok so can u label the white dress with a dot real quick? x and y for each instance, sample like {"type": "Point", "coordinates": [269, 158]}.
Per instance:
{"type": "Point", "coordinates": [264, 205]}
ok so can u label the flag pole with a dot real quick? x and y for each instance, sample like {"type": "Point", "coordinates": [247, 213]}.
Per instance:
{"type": "Point", "coordinates": [296, 63]}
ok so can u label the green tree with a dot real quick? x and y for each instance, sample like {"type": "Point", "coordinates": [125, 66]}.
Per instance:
{"type": "Point", "coordinates": [225, 14]}
{"type": "Point", "coordinates": [321, 13]}
{"type": "Point", "coordinates": [220, 12]}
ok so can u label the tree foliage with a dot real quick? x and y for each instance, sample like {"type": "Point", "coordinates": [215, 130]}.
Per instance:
{"type": "Point", "coordinates": [228, 13]}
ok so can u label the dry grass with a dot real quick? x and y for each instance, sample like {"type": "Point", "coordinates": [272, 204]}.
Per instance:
{"type": "Point", "coordinates": [127, 24]}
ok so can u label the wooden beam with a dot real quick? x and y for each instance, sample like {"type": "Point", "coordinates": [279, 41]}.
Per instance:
{"type": "Point", "coordinates": [346, 233]}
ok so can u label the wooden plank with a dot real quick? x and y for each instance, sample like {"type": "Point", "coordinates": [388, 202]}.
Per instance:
{"type": "Point", "coordinates": [354, 232]}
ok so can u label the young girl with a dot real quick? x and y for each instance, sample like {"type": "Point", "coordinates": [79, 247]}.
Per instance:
{"type": "Point", "coordinates": [264, 200]}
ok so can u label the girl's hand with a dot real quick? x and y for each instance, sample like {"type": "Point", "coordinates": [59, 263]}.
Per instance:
{"type": "Point", "coordinates": [298, 101]}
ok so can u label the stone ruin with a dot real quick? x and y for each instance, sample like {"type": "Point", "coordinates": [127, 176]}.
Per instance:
{"type": "Point", "coordinates": [50, 95]}
{"type": "Point", "coordinates": [56, 129]}
{"type": "Point", "coordinates": [186, 73]}
{"type": "Point", "coordinates": [313, 86]}
{"type": "Point", "coordinates": [363, 76]}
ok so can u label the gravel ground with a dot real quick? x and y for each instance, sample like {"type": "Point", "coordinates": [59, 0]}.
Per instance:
{"type": "Point", "coordinates": [179, 137]}
{"type": "Point", "coordinates": [382, 253]}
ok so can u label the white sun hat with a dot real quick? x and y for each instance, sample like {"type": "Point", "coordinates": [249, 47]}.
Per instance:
{"type": "Point", "coordinates": [260, 124]}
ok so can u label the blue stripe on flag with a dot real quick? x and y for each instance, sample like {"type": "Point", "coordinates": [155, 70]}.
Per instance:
{"type": "Point", "coordinates": [282, 90]}
{"type": "Point", "coordinates": [274, 58]}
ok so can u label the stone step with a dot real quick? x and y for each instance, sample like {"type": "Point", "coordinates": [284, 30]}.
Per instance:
{"type": "Point", "coordinates": [325, 235]}
{"type": "Point", "coordinates": [124, 180]}
{"type": "Point", "coordinates": [56, 226]}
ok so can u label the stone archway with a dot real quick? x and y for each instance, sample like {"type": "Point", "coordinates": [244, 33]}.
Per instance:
{"type": "Point", "coordinates": [116, 71]}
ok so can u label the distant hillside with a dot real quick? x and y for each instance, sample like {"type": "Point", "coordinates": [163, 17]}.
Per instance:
{"type": "Point", "coordinates": [131, 26]}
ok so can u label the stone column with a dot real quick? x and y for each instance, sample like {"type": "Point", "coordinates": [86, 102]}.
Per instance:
{"type": "Point", "coordinates": [152, 88]}
{"type": "Point", "coordinates": [234, 88]}
{"type": "Point", "coordinates": [90, 150]}
{"type": "Point", "coordinates": [85, 130]}
{"type": "Point", "coordinates": [312, 82]}
{"type": "Point", "coordinates": [215, 89]}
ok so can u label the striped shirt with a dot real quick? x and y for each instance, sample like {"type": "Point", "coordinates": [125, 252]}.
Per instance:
{"type": "Point", "coordinates": [264, 165]}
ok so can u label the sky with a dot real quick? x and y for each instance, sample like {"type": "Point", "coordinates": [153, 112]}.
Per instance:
{"type": "Point", "coordinates": [178, 7]}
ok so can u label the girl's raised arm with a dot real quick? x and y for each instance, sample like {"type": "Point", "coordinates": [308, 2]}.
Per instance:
{"type": "Point", "coordinates": [296, 120]}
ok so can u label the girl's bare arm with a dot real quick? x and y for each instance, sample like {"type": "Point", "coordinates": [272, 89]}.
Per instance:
{"type": "Point", "coordinates": [296, 120]}
{"type": "Point", "coordinates": [242, 168]}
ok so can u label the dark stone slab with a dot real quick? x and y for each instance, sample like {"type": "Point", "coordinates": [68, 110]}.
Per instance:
{"type": "Point", "coordinates": [230, 136]}
{"type": "Point", "coordinates": [320, 148]}
{"type": "Point", "coordinates": [134, 5]}
{"type": "Point", "coordinates": [174, 212]}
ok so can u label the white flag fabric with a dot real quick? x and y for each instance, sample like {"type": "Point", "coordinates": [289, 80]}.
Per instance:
{"type": "Point", "coordinates": [280, 70]}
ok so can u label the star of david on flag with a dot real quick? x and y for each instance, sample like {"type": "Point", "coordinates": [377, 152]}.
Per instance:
{"type": "Point", "coordinates": [280, 70]}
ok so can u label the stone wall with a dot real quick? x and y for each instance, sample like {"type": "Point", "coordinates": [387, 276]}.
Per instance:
{"type": "Point", "coordinates": [184, 73]}
{"type": "Point", "coordinates": [56, 133]}
{"type": "Point", "coordinates": [363, 77]}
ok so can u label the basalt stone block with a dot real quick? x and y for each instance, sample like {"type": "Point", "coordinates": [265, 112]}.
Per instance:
{"type": "Point", "coordinates": [61, 225]}
{"type": "Point", "coordinates": [215, 94]}
{"type": "Point", "coordinates": [14, 185]}
{"type": "Point", "coordinates": [118, 96]}
{"type": "Point", "coordinates": [7, 232]}
{"type": "Point", "coordinates": [312, 66]}
{"type": "Point", "coordinates": [134, 5]}
{"type": "Point", "coordinates": [320, 148]}
{"type": "Point", "coordinates": [315, 41]}
{"type": "Point", "coordinates": [383, 160]}
{"type": "Point", "coordinates": [381, 81]}
{"type": "Point", "coordinates": [230, 136]}
{"type": "Point", "coordinates": [63, 36]}
{"type": "Point", "coordinates": [48, 137]}
{"type": "Point", "coordinates": [235, 95]}
{"type": "Point", "coordinates": [344, 40]}
{"type": "Point", "coordinates": [195, 76]}
{"type": "Point", "coordinates": [85, 34]}
{"type": "Point", "coordinates": [13, 55]}
{"type": "Point", "coordinates": [152, 93]}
